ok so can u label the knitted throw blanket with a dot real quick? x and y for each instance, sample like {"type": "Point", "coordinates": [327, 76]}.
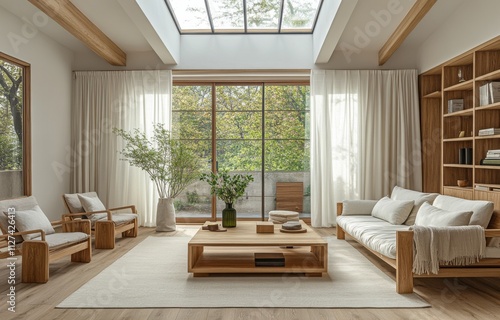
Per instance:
{"type": "Point", "coordinates": [457, 246]}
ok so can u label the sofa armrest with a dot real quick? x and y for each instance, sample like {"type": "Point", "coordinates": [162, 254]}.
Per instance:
{"type": "Point", "coordinates": [489, 233]}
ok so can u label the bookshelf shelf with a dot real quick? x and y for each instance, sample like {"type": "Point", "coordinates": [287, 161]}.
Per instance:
{"type": "Point", "coordinates": [466, 85]}
{"type": "Point", "coordinates": [494, 136]}
{"type": "Point", "coordinates": [494, 75]}
{"type": "Point", "coordinates": [462, 113]}
{"type": "Point", "coordinates": [458, 139]}
{"type": "Point", "coordinates": [456, 165]}
{"type": "Point", "coordinates": [434, 95]}
{"type": "Point", "coordinates": [493, 106]}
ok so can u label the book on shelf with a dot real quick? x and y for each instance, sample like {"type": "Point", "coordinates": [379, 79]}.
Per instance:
{"type": "Point", "coordinates": [490, 162]}
{"type": "Point", "coordinates": [494, 91]}
{"type": "Point", "coordinates": [489, 131]}
{"type": "Point", "coordinates": [489, 93]}
{"type": "Point", "coordinates": [455, 105]}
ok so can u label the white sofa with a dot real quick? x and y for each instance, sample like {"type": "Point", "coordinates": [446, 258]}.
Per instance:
{"type": "Point", "coordinates": [367, 222]}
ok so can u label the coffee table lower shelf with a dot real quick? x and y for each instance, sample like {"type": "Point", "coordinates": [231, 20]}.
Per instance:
{"type": "Point", "coordinates": [205, 261]}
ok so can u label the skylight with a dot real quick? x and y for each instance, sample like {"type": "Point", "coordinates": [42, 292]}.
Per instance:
{"type": "Point", "coordinates": [244, 16]}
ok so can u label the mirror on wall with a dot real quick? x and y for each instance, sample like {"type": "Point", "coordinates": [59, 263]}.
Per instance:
{"type": "Point", "coordinates": [15, 146]}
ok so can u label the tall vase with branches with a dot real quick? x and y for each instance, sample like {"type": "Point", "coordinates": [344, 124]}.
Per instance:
{"type": "Point", "coordinates": [170, 164]}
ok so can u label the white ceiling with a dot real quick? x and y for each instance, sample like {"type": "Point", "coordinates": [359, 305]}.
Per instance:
{"type": "Point", "coordinates": [110, 17]}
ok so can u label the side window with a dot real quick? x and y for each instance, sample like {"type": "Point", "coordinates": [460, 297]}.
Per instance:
{"type": "Point", "coordinates": [15, 146]}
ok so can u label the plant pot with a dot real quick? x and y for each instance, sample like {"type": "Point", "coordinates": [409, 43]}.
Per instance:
{"type": "Point", "coordinates": [165, 215]}
{"type": "Point", "coordinates": [229, 216]}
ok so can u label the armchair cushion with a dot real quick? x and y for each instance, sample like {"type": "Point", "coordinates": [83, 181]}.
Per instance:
{"type": "Point", "coordinates": [91, 203]}
{"type": "Point", "coordinates": [23, 203]}
{"type": "Point", "coordinates": [431, 216]}
{"type": "Point", "coordinates": [74, 204]}
{"type": "Point", "coordinates": [32, 219]}
{"type": "Point", "coordinates": [393, 211]}
{"type": "Point", "coordinates": [59, 240]}
{"type": "Point", "coordinates": [122, 218]}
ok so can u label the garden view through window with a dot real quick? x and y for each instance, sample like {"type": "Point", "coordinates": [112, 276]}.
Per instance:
{"type": "Point", "coordinates": [14, 142]}
{"type": "Point", "coordinates": [258, 129]}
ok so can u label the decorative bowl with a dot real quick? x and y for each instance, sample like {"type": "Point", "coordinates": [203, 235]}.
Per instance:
{"type": "Point", "coordinates": [462, 183]}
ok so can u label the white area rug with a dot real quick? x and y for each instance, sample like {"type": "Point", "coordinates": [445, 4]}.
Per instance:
{"type": "Point", "coordinates": [154, 275]}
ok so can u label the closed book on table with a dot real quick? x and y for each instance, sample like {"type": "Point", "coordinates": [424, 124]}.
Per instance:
{"type": "Point", "coordinates": [269, 259]}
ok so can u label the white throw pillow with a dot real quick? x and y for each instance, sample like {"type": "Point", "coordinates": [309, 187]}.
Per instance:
{"type": "Point", "coordinates": [431, 216]}
{"type": "Point", "coordinates": [481, 210]}
{"type": "Point", "coordinates": [91, 204]}
{"type": "Point", "coordinates": [392, 211]}
{"type": "Point", "coordinates": [399, 193]}
{"type": "Point", "coordinates": [357, 207]}
{"type": "Point", "coordinates": [32, 219]}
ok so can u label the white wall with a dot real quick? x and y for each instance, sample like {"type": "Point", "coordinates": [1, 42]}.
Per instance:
{"type": "Point", "coordinates": [472, 24]}
{"type": "Point", "coordinates": [50, 105]}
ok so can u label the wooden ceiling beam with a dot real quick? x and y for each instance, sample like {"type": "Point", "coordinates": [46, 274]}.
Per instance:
{"type": "Point", "coordinates": [410, 21]}
{"type": "Point", "coordinates": [74, 21]}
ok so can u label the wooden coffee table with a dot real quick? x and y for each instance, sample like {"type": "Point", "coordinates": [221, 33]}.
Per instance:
{"type": "Point", "coordinates": [233, 251]}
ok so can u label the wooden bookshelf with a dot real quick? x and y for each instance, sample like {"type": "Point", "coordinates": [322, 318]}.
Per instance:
{"type": "Point", "coordinates": [460, 78]}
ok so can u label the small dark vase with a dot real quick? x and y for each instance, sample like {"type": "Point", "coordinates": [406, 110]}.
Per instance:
{"type": "Point", "coordinates": [229, 216]}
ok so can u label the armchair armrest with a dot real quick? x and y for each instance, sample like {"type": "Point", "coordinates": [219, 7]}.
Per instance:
{"type": "Point", "coordinates": [100, 211]}
{"type": "Point", "coordinates": [131, 207]}
{"type": "Point", "coordinates": [20, 233]}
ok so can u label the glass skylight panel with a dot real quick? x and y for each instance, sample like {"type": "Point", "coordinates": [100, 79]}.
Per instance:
{"type": "Point", "coordinates": [299, 15]}
{"type": "Point", "coordinates": [263, 15]}
{"type": "Point", "coordinates": [245, 16]}
{"type": "Point", "coordinates": [191, 15]}
{"type": "Point", "coordinates": [227, 15]}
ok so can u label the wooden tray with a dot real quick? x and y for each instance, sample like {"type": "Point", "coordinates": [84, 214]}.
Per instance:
{"type": "Point", "coordinates": [294, 231]}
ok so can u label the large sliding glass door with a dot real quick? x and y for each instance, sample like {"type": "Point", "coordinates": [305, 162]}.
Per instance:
{"type": "Point", "coordinates": [257, 128]}
{"type": "Point", "coordinates": [238, 139]}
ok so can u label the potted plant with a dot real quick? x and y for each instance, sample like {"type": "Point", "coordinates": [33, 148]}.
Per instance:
{"type": "Point", "coordinates": [170, 164]}
{"type": "Point", "coordinates": [228, 188]}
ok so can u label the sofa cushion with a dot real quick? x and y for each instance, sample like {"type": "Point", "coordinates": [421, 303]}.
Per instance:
{"type": "Point", "coordinates": [432, 216]}
{"type": "Point", "coordinates": [358, 207]}
{"type": "Point", "coordinates": [393, 211]}
{"type": "Point", "coordinates": [376, 234]}
{"type": "Point", "coordinates": [32, 219]}
{"type": "Point", "coordinates": [481, 210]}
{"type": "Point", "coordinates": [399, 193]}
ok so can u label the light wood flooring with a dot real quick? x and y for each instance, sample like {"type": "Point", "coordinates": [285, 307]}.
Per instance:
{"type": "Point", "coordinates": [450, 298]}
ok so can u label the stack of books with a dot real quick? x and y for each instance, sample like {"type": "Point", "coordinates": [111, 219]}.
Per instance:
{"type": "Point", "coordinates": [492, 158]}
{"type": "Point", "coordinates": [489, 93]}
{"type": "Point", "coordinates": [489, 131]}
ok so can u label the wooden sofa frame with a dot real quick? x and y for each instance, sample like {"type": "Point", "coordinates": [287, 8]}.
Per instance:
{"type": "Point", "coordinates": [36, 254]}
{"type": "Point", "coordinates": [403, 264]}
{"type": "Point", "coordinates": [105, 231]}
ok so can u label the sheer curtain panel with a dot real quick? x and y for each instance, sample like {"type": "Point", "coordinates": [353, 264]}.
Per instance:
{"type": "Point", "coordinates": [103, 100]}
{"type": "Point", "coordinates": [365, 137]}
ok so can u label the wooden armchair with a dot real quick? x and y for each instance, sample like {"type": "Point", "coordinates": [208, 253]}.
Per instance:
{"type": "Point", "coordinates": [106, 223]}
{"type": "Point", "coordinates": [36, 240]}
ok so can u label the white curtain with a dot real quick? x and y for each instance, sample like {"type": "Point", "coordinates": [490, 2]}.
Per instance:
{"type": "Point", "coordinates": [365, 137]}
{"type": "Point", "coordinates": [103, 100]}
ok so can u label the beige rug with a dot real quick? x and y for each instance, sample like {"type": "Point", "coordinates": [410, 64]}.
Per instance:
{"type": "Point", "coordinates": [154, 275]}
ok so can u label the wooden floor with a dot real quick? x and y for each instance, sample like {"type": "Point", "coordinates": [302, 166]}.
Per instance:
{"type": "Point", "coordinates": [450, 298]}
